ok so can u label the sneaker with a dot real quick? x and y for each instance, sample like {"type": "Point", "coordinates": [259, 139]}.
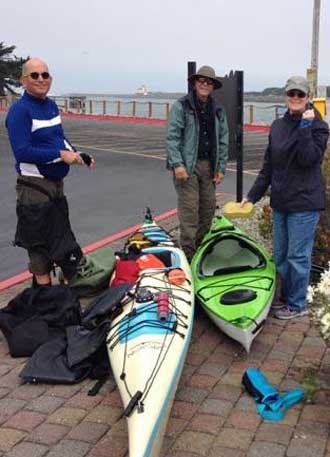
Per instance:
{"type": "Point", "coordinates": [277, 303]}
{"type": "Point", "coordinates": [287, 313]}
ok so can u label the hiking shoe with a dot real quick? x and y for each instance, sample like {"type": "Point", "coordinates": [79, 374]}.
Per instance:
{"type": "Point", "coordinates": [286, 313]}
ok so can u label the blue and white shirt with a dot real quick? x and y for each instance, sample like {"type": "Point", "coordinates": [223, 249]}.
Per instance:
{"type": "Point", "coordinates": [36, 137]}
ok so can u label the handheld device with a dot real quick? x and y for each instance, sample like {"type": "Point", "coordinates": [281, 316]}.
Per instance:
{"type": "Point", "coordinates": [86, 158]}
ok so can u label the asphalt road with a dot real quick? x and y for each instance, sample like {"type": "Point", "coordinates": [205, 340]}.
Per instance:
{"type": "Point", "coordinates": [130, 175]}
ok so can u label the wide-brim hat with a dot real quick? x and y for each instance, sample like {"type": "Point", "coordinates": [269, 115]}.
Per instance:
{"type": "Point", "coordinates": [206, 72]}
{"type": "Point", "coordinates": [297, 83]}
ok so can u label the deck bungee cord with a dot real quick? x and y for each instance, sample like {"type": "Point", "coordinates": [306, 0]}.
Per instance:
{"type": "Point", "coordinates": [219, 284]}
{"type": "Point", "coordinates": [135, 312]}
{"type": "Point", "coordinates": [151, 307]}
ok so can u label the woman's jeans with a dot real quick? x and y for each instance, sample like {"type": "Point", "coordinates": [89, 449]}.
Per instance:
{"type": "Point", "coordinates": [293, 237]}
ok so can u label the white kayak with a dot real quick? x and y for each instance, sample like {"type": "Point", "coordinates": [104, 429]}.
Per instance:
{"type": "Point", "coordinates": [147, 346]}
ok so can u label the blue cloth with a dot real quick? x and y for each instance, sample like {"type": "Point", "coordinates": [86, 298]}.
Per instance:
{"type": "Point", "coordinates": [276, 410]}
{"type": "Point", "coordinates": [293, 236]}
{"type": "Point", "coordinates": [270, 403]}
{"type": "Point", "coordinates": [36, 137]}
{"type": "Point", "coordinates": [304, 123]}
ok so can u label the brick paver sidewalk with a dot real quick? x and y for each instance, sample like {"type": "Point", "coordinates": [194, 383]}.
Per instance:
{"type": "Point", "coordinates": [211, 415]}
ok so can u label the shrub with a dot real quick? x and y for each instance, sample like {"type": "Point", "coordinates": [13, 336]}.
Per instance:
{"type": "Point", "coordinates": [266, 222]}
{"type": "Point", "coordinates": [319, 296]}
{"type": "Point", "coordinates": [321, 251]}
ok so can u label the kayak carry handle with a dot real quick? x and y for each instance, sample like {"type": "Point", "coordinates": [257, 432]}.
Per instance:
{"type": "Point", "coordinates": [133, 403]}
{"type": "Point", "coordinates": [259, 326]}
{"type": "Point", "coordinates": [223, 229]}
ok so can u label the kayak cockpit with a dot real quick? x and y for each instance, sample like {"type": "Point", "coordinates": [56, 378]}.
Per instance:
{"type": "Point", "coordinates": [229, 254]}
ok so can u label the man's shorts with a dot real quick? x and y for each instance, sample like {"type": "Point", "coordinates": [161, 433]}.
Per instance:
{"type": "Point", "coordinates": [39, 264]}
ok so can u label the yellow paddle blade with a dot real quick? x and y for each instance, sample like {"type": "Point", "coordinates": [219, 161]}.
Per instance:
{"type": "Point", "coordinates": [235, 210]}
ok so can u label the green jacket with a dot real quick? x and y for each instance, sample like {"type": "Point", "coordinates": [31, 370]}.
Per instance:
{"type": "Point", "coordinates": [183, 136]}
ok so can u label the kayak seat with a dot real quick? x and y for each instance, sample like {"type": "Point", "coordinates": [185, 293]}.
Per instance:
{"type": "Point", "coordinates": [229, 255]}
{"type": "Point", "coordinates": [170, 258]}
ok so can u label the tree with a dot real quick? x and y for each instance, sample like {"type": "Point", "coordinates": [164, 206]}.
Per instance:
{"type": "Point", "coordinates": [273, 91]}
{"type": "Point", "coordinates": [10, 69]}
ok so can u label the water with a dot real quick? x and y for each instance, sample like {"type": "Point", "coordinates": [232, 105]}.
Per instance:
{"type": "Point", "coordinates": [144, 106]}
{"type": "Point", "coordinates": [263, 113]}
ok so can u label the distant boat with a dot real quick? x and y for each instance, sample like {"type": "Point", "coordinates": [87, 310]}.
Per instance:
{"type": "Point", "coordinates": [142, 90]}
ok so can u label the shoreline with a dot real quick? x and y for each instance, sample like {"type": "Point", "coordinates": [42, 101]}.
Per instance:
{"type": "Point", "coordinates": [170, 96]}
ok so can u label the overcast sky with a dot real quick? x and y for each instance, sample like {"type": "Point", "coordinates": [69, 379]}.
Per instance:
{"type": "Point", "coordinates": [118, 45]}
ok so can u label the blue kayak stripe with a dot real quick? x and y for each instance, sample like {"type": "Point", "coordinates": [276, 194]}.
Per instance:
{"type": "Point", "coordinates": [169, 394]}
{"type": "Point", "coordinates": [144, 322]}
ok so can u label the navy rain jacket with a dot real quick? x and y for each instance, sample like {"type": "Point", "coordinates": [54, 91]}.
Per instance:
{"type": "Point", "coordinates": [292, 165]}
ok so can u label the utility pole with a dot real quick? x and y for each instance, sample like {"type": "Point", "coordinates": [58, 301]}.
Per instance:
{"type": "Point", "coordinates": [312, 73]}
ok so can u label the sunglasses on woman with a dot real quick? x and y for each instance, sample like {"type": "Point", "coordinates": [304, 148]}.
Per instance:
{"type": "Point", "coordinates": [35, 75]}
{"type": "Point", "coordinates": [296, 93]}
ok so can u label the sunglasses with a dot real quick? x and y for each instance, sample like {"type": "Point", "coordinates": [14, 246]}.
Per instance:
{"type": "Point", "coordinates": [35, 75]}
{"type": "Point", "coordinates": [206, 81]}
{"type": "Point", "coordinates": [296, 93]}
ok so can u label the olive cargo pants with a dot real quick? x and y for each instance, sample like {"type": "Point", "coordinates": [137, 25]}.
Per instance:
{"type": "Point", "coordinates": [196, 206]}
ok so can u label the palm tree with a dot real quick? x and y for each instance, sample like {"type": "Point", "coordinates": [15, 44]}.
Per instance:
{"type": "Point", "coordinates": [10, 69]}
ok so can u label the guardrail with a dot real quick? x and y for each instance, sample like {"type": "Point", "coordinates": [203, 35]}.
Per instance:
{"type": "Point", "coordinates": [254, 114]}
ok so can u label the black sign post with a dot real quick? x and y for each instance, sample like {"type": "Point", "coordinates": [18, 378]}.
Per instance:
{"type": "Point", "coordinates": [239, 133]}
{"type": "Point", "coordinates": [191, 71]}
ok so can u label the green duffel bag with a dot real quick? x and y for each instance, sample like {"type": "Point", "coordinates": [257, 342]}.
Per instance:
{"type": "Point", "coordinates": [93, 272]}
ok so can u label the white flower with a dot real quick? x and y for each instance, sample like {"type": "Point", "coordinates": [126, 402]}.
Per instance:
{"type": "Point", "coordinates": [325, 277]}
{"type": "Point", "coordinates": [324, 285]}
{"type": "Point", "coordinates": [325, 320]}
{"type": "Point", "coordinates": [325, 332]}
{"type": "Point", "coordinates": [324, 288]}
{"type": "Point", "coordinates": [320, 294]}
{"type": "Point", "coordinates": [310, 294]}
{"type": "Point", "coordinates": [318, 313]}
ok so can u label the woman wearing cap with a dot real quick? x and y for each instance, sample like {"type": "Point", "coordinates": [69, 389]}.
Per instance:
{"type": "Point", "coordinates": [197, 152]}
{"type": "Point", "coordinates": [292, 167]}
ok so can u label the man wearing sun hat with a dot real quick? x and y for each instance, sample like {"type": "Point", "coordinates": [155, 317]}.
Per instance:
{"type": "Point", "coordinates": [197, 153]}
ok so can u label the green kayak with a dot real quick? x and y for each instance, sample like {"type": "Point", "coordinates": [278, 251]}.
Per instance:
{"type": "Point", "coordinates": [234, 279]}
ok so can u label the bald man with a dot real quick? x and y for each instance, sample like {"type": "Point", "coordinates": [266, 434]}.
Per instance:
{"type": "Point", "coordinates": [43, 158]}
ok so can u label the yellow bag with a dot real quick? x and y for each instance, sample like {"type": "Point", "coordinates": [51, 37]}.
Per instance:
{"type": "Point", "coordinates": [235, 210]}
